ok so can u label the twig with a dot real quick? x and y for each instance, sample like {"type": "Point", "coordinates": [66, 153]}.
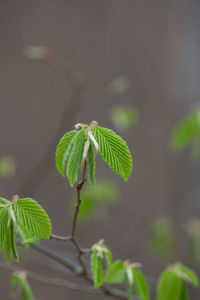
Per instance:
{"type": "Point", "coordinates": [60, 238]}
{"type": "Point", "coordinates": [77, 208]}
{"type": "Point", "coordinates": [52, 281]}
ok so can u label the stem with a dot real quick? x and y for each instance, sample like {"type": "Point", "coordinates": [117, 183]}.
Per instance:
{"type": "Point", "coordinates": [77, 208]}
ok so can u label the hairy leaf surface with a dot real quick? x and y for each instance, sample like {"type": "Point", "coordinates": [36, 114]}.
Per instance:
{"type": "Point", "coordinates": [96, 268]}
{"type": "Point", "coordinates": [116, 272]}
{"type": "Point", "coordinates": [63, 150]}
{"type": "Point", "coordinates": [114, 151]}
{"type": "Point", "coordinates": [140, 284]}
{"type": "Point", "coordinates": [33, 217]}
{"type": "Point", "coordinates": [91, 164]}
{"type": "Point", "coordinates": [75, 158]}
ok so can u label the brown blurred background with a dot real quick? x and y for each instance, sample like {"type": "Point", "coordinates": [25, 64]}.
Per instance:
{"type": "Point", "coordinates": [155, 44]}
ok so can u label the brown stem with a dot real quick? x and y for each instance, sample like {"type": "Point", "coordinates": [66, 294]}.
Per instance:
{"type": "Point", "coordinates": [77, 208]}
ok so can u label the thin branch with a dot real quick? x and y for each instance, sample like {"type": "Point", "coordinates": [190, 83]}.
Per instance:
{"type": "Point", "coordinates": [77, 208]}
{"type": "Point", "coordinates": [60, 238]}
{"type": "Point", "coordinates": [68, 264]}
{"type": "Point", "coordinates": [52, 281]}
{"type": "Point", "coordinates": [54, 256]}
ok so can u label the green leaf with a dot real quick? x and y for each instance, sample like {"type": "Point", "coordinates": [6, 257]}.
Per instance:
{"type": "Point", "coordinates": [33, 217]}
{"type": "Point", "coordinates": [91, 164]}
{"type": "Point", "coordinates": [7, 245]}
{"type": "Point", "coordinates": [184, 292]}
{"type": "Point", "coordinates": [107, 255]}
{"type": "Point", "coordinates": [18, 279]}
{"type": "Point", "coordinates": [23, 232]}
{"type": "Point", "coordinates": [96, 268]}
{"type": "Point", "coordinates": [186, 274]}
{"type": "Point", "coordinates": [75, 158]}
{"type": "Point", "coordinates": [116, 272]}
{"type": "Point", "coordinates": [3, 224]}
{"type": "Point", "coordinates": [12, 240]}
{"type": "Point", "coordinates": [130, 291]}
{"type": "Point", "coordinates": [63, 150]}
{"type": "Point", "coordinates": [186, 131]}
{"type": "Point", "coordinates": [140, 284]}
{"type": "Point", "coordinates": [114, 151]}
{"type": "Point", "coordinates": [169, 286]}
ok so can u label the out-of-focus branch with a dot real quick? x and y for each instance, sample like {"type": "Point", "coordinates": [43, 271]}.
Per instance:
{"type": "Point", "coordinates": [77, 84]}
{"type": "Point", "coordinates": [77, 270]}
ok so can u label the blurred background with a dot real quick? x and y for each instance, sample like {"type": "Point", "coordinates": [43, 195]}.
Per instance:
{"type": "Point", "coordinates": [134, 67]}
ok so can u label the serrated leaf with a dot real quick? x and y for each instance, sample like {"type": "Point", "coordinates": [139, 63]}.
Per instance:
{"type": "Point", "coordinates": [114, 151]}
{"type": "Point", "coordinates": [75, 158]}
{"type": "Point", "coordinates": [23, 232]}
{"type": "Point", "coordinates": [3, 224]}
{"type": "Point", "coordinates": [91, 164]}
{"type": "Point", "coordinates": [63, 150]}
{"type": "Point", "coordinates": [116, 272]}
{"type": "Point", "coordinates": [186, 274]}
{"type": "Point", "coordinates": [96, 268]}
{"type": "Point", "coordinates": [33, 217]}
{"type": "Point", "coordinates": [169, 286]}
{"type": "Point", "coordinates": [18, 280]}
{"type": "Point", "coordinates": [140, 284]}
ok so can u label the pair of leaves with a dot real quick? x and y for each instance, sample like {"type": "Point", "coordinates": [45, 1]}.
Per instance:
{"type": "Point", "coordinates": [100, 251]}
{"type": "Point", "coordinates": [172, 283]}
{"type": "Point", "coordinates": [28, 217]}
{"type": "Point", "coordinates": [119, 271]}
{"type": "Point", "coordinates": [112, 148]}
{"type": "Point", "coordinates": [19, 279]}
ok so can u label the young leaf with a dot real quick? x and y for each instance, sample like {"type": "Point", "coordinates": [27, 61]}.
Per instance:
{"type": "Point", "coordinates": [114, 151]}
{"type": "Point", "coordinates": [7, 245]}
{"type": "Point", "coordinates": [130, 291]}
{"type": "Point", "coordinates": [3, 224]}
{"type": "Point", "coordinates": [19, 279]}
{"type": "Point", "coordinates": [169, 286]}
{"type": "Point", "coordinates": [91, 164]}
{"type": "Point", "coordinates": [96, 268]}
{"type": "Point", "coordinates": [33, 217]}
{"type": "Point", "coordinates": [140, 284]}
{"type": "Point", "coordinates": [186, 274]}
{"type": "Point", "coordinates": [63, 150]}
{"type": "Point", "coordinates": [116, 272]}
{"type": "Point", "coordinates": [12, 240]}
{"type": "Point", "coordinates": [75, 158]}
{"type": "Point", "coordinates": [184, 292]}
{"type": "Point", "coordinates": [107, 255]}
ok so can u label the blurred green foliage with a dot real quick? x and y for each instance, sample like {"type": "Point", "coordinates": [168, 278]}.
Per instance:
{"type": "Point", "coordinates": [95, 200]}
{"type": "Point", "coordinates": [124, 117]}
{"type": "Point", "coordinates": [162, 238]}
{"type": "Point", "coordinates": [7, 166]}
{"type": "Point", "coordinates": [187, 132]}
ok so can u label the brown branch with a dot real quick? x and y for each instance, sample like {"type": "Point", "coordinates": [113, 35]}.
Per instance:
{"type": "Point", "coordinates": [52, 281]}
{"type": "Point", "coordinates": [77, 208]}
{"type": "Point", "coordinates": [68, 264]}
